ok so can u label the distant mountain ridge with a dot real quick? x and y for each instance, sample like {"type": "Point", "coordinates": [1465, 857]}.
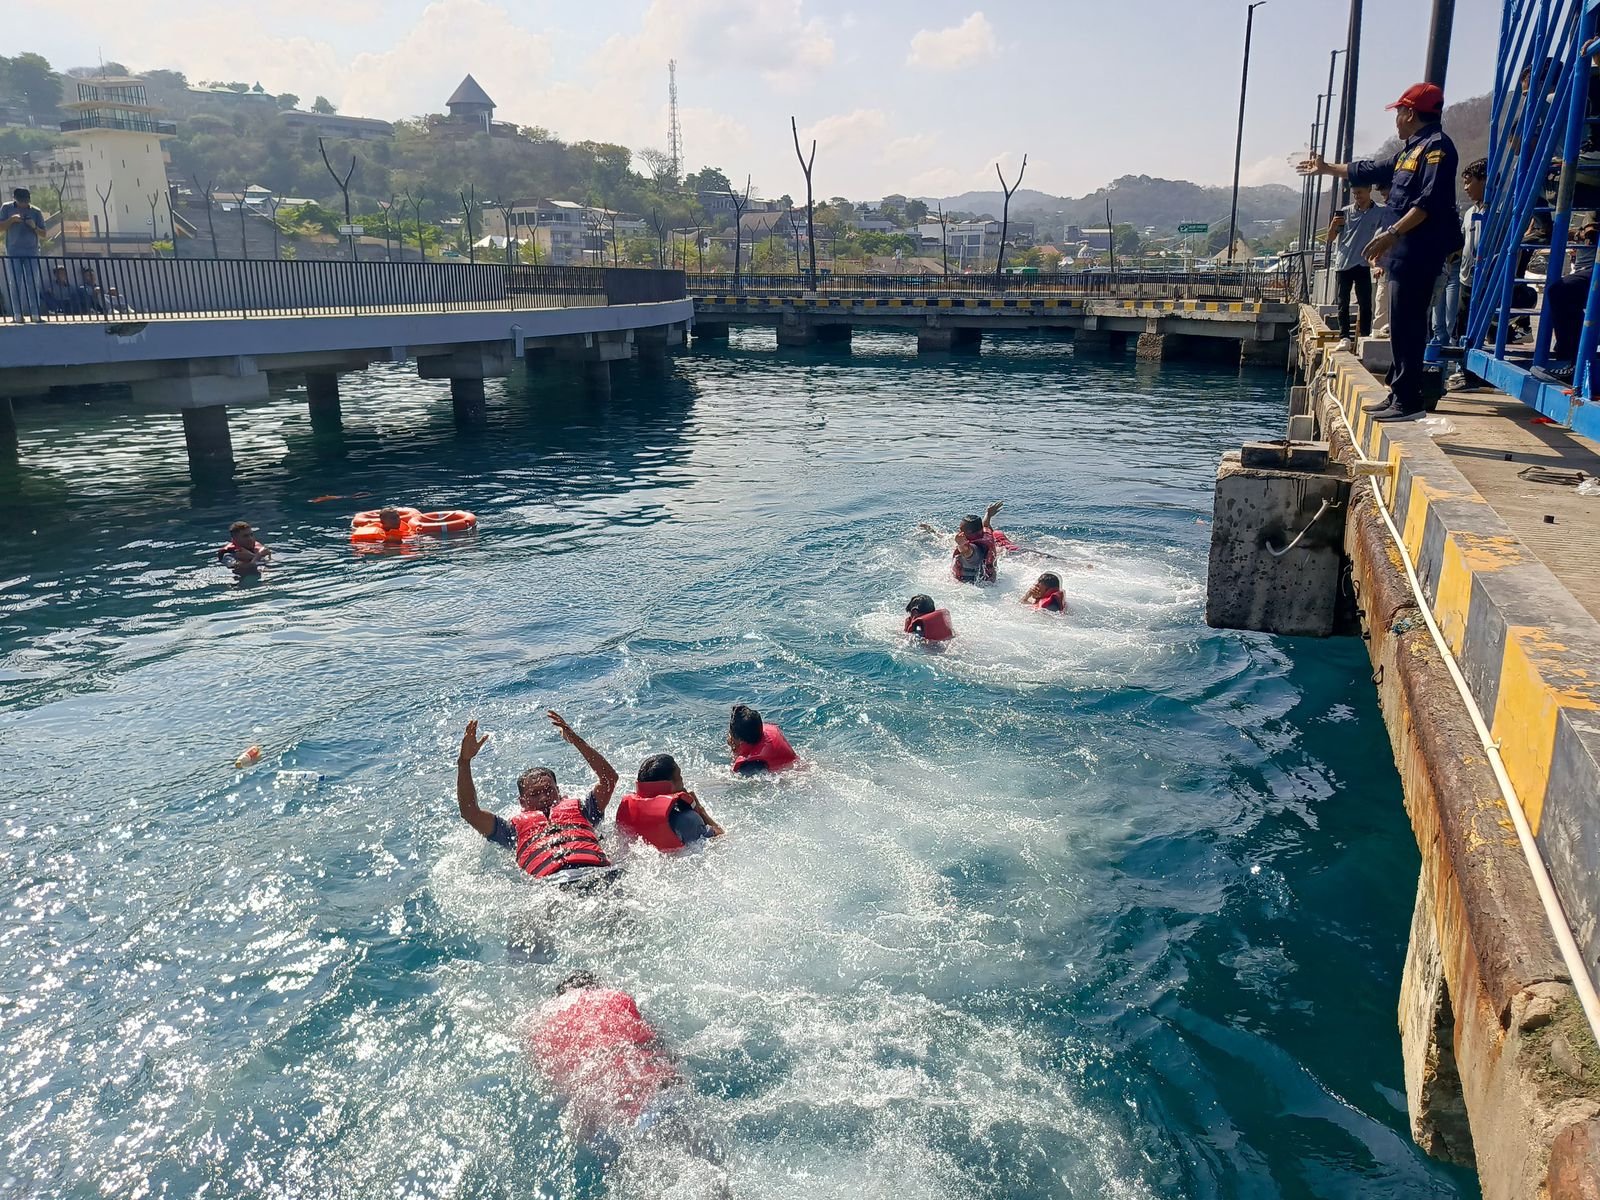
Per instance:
{"type": "Point", "coordinates": [1142, 201]}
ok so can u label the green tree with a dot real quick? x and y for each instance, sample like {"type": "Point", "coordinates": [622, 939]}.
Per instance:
{"type": "Point", "coordinates": [916, 211]}
{"type": "Point", "coordinates": [1127, 240]}
{"type": "Point", "coordinates": [707, 179]}
{"type": "Point", "coordinates": [323, 105]}
{"type": "Point", "coordinates": [29, 78]}
{"type": "Point", "coordinates": [288, 100]}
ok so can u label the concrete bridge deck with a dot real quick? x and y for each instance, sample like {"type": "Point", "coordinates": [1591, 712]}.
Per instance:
{"type": "Point", "coordinates": [211, 336]}
{"type": "Point", "coordinates": [1254, 330]}
{"type": "Point", "coordinates": [1502, 1068]}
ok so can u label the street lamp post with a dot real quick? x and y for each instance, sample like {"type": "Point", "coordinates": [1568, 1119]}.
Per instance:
{"type": "Point", "coordinates": [1238, 144]}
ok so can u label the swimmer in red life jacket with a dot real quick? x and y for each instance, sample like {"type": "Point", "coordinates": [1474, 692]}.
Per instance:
{"type": "Point", "coordinates": [978, 546]}
{"type": "Point", "coordinates": [1046, 594]}
{"type": "Point", "coordinates": [661, 810]}
{"type": "Point", "coordinates": [625, 1093]}
{"type": "Point", "coordinates": [758, 746]}
{"type": "Point", "coordinates": [247, 553]}
{"type": "Point", "coordinates": [551, 836]}
{"type": "Point", "coordinates": [928, 622]}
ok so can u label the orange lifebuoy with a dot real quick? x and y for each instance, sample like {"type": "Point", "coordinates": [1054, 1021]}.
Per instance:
{"type": "Point", "coordinates": [450, 521]}
{"type": "Point", "coordinates": [366, 527]}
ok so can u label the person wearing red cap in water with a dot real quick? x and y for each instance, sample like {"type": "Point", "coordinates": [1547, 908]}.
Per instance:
{"type": "Point", "coordinates": [1421, 179]}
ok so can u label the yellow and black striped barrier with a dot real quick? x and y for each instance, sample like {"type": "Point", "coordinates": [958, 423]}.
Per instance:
{"type": "Point", "coordinates": [1529, 652]}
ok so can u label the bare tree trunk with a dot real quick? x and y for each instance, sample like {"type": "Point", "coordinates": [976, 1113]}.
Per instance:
{"type": "Point", "coordinates": [805, 165]}
{"type": "Point", "coordinates": [466, 212]}
{"type": "Point", "coordinates": [740, 203]}
{"type": "Point", "coordinates": [61, 197]}
{"type": "Point", "coordinates": [211, 224]}
{"type": "Point", "coordinates": [344, 187]}
{"type": "Point", "coordinates": [944, 240]}
{"type": "Point", "coordinates": [1005, 220]}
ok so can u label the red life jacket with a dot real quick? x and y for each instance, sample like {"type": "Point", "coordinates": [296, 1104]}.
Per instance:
{"type": "Point", "coordinates": [984, 571]}
{"type": "Point", "coordinates": [773, 749]}
{"type": "Point", "coordinates": [643, 812]}
{"type": "Point", "coordinates": [1052, 601]}
{"type": "Point", "coordinates": [600, 1054]}
{"type": "Point", "coordinates": [1002, 542]}
{"type": "Point", "coordinates": [562, 840]}
{"type": "Point", "coordinates": [934, 626]}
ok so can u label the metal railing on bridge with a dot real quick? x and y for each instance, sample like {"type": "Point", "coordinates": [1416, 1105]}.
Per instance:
{"type": "Point", "coordinates": [101, 289]}
{"type": "Point", "coordinates": [1196, 285]}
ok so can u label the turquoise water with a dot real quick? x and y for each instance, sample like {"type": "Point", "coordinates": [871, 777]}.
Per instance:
{"type": "Point", "coordinates": [1113, 905]}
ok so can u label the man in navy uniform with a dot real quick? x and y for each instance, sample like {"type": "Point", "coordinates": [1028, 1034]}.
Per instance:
{"type": "Point", "coordinates": [1426, 231]}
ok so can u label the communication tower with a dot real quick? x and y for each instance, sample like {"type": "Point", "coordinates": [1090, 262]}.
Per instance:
{"type": "Point", "coordinates": [674, 132]}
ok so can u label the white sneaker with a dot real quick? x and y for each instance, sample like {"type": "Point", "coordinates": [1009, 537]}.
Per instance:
{"type": "Point", "coordinates": [1345, 345]}
{"type": "Point", "coordinates": [1456, 383]}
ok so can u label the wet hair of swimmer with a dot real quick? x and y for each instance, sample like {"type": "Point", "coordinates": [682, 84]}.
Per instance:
{"type": "Point", "coordinates": [920, 606]}
{"type": "Point", "coordinates": [389, 518]}
{"type": "Point", "coordinates": [529, 780]}
{"type": "Point", "coordinates": [745, 724]}
{"type": "Point", "coordinates": [972, 526]}
{"type": "Point", "coordinates": [578, 979]}
{"type": "Point", "coordinates": [1050, 580]}
{"type": "Point", "coordinates": [662, 768]}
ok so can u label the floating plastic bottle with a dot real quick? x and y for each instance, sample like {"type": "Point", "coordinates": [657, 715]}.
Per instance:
{"type": "Point", "coordinates": [248, 759]}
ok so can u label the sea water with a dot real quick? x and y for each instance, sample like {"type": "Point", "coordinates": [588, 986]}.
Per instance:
{"type": "Point", "coordinates": [1107, 904]}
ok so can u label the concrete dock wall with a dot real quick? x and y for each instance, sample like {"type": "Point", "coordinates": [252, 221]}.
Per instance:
{"type": "Point", "coordinates": [1501, 1069]}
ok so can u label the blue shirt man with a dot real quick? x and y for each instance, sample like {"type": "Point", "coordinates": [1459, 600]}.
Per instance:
{"type": "Point", "coordinates": [23, 225]}
{"type": "Point", "coordinates": [1358, 226]}
{"type": "Point", "coordinates": [1426, 230]}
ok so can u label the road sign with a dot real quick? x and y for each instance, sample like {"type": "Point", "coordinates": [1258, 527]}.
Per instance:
{"type": "Point", "coordinates": [1194, 227]}
{"type": "Point", "coordinates": [350, 231]}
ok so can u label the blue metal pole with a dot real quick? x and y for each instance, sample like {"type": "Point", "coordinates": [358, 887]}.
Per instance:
{"type": "Point", "coordinates": [1577, 72]}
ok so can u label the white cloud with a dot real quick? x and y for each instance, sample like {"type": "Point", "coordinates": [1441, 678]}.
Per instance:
{"type": "Point", "coordinates": [946, 49]}
{"type": "Point", "coordinates": [1275, 169]}
{"type": "Point", "coordinates": [412, 76]}
{"type": "Point", "coordinates": [864, 126]}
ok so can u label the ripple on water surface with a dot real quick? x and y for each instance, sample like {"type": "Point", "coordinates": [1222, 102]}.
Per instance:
{"type": "Point", "coordinates": [1107, 904]}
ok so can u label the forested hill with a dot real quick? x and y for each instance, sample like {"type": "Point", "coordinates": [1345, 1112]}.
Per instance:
{"type": "Point", "coordinates": [1141, 201]}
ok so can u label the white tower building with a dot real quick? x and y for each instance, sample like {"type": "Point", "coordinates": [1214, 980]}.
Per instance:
{"type": "Point", "coordinates": [124, 164]}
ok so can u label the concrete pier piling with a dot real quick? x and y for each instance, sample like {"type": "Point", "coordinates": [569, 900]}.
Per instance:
{"type": "Point", "coordinates": [937, 339]}
{"type": "Point", "coordinates": [322, 398]}
{"type": "Point", "coordinates": [1277, 540]}
{"type": "Point", "coordinates": [8, 427]}
{"type": "Point", "coordinates": [467, 398]}
{"type": "Point", "coordinates": [205, 433]}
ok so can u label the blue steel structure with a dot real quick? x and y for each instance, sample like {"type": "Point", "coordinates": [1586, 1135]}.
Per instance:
{"type": "Point", "coordinates": [1540, 125]}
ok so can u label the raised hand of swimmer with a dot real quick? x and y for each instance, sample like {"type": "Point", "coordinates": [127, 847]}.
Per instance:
{"type": "Point", "coordinates": [988, 513]}
{"type": "Point", "coordinates": [560, 723]}
{"type": "Point", "coordinates": [471, 743]}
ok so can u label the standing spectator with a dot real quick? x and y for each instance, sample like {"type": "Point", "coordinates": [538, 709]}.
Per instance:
{"type": "Point", "coordinates": [24, 225]}
{"type": "Point", "coordinates": [1474, 177]}
{"type": "Point", "coordinates": [1427, 230]}
{"type": "Point", "coordinates": [1352, 227]}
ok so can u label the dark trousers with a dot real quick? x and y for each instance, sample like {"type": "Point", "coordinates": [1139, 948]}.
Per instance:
{"type": "Point", "coordinates": [1358, 279]}
{"type": "Point", "coordinates": [1568, 296]}
{"type": "Point", "coordinates": [1410, 303]}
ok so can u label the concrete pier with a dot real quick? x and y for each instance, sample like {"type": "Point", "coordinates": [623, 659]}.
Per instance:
{"type": "Point", "coordinates": [597, 379]}
{"type": "Point", "coordinates": [1502, 1071]}
{"type": "Point", "coordinates": [467, 398]}
{"type": "Point", "coordinates": [1277, 536]}
{"type": "Point", "coordinates": [1261, 352]}
{"type": "Point", "coordinates": [946, 339]}
{"type": "Point", "coordinates": [1100, 341]}
{"type": "Point", "coordinates": [8, 427]}
{"type": "Point", "coordinates": [711, 331]}
{"type": "Point", "coordinates": [205, 433]}
{"type": "Point", "coordinates": [322, 398]}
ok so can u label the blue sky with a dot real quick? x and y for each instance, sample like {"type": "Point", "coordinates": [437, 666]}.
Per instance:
{"type": "Point", "coordinates": [921, 98]}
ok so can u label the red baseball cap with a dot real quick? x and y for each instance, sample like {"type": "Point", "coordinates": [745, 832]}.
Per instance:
{"type": "Point", "coordinates": [1425, 98]}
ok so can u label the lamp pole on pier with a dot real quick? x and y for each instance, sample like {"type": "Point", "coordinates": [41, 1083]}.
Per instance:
{"type": "Point", "coordinates": [1238, 143]}
{"type": "Point", "coordinates": [1444, 17]}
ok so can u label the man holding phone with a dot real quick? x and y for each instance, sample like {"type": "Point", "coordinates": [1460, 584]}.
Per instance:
{"type": "Point", "coordinates": [24, 225]}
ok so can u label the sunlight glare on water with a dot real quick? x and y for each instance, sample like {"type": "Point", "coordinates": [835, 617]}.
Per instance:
{"type": "Point", "coordinates": [1103, 905]}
